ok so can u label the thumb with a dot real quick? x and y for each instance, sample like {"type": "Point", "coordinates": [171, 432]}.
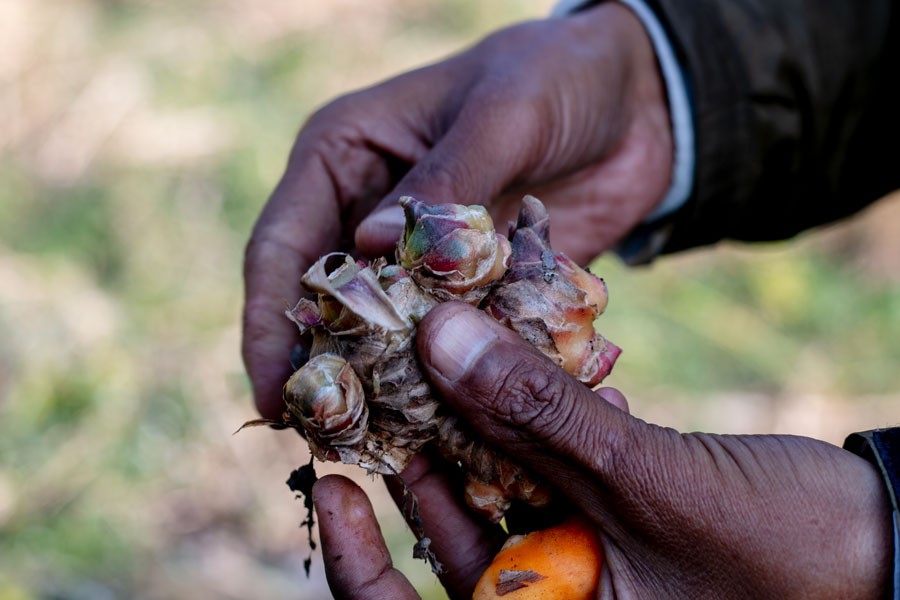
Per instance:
{"type": "Point", "coordinates": [521, 402]}
{"type": "Point", "coordinates": [486, 148]}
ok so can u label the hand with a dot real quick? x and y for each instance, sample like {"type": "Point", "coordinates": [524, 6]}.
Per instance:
{"type": "Point", "coordinates": [680, 515]}
{"type": "Point", "coordinates": [571, 110]}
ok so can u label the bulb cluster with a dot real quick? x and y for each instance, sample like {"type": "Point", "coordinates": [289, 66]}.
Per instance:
{"type": "Point", "coordinates": [362, 399]}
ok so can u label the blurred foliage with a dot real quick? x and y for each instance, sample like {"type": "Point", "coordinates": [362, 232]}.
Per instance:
{"type": "Point", "coordinates": [139, 140]}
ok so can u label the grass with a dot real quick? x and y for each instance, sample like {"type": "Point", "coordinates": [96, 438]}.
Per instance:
{"type": "Point", "coordinates": [138, 143]}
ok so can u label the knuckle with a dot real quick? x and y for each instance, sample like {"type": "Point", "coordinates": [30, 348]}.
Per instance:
{"type": "Point", "coordinates": [258, 327]}
{"type": "Point", "coordinates": [257, 319]}
{"type": "Point", "coordinates": [331, 139]}
{"type": "Point", "coordinates": [332, 128]}
{"type": "Point", "coordinates": [373, 585]}
{"type": "Point", "coordinates": [254, 251]}
{"type": "Point", "coordinates": [270, 244]}
{"type": "Point", "coordinates": [336, 110]}
{"type": "Point", "coordinates": [260, 250]}
{"type": "Point", "coordinates": [537, 402]}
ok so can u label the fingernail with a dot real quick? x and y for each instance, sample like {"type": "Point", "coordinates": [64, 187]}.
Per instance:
{"type": "Point", "coordinates": [386, 222]}
{"type": "Point", "coordinates": [459, 342]}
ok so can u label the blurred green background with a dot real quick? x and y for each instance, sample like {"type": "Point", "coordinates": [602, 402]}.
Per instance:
{"type": "Point", "coordinates": [139, 139]}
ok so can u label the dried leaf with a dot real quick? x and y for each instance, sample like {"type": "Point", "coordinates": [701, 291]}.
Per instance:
{"type": "Point", "coordinates": [510, 581]}
{"type": "Point", "coordinates": [357, 289]}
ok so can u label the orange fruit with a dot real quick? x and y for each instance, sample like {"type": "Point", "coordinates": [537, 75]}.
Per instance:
{"type": "Point", "coordinates": [562, 563]}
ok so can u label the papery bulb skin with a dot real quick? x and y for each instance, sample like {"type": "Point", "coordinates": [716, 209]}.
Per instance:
{"type": "Point", "coordinates": [490, 500]}
{"type": "Point", "coordinates": [596, 292]}
{"type": "Point", "coordinates": [366, 314]}
{"type": "Point", "coordinates": [452, 250]}
{"type": "Point", "coordinates": [305, 314]}
{"type": "Point", "coordinates": [551, 301]}
{"type": "Point", "coordinates": [493, 481]}
{"type": "Point", "coordinates": [326, 398]}
{"type": "Point", "coordinates": [388, 275]}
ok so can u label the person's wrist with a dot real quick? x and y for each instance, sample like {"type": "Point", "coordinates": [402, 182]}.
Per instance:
{"type": "Point", "coordinates": [880, 448]}
{"type": "Point", "coordinates": [848, 552]}
{"type": "Point", "coordinates": [645, 80]}
{"type": "Point", "coordinates": [645, 105]}
{"type": "Point", "coordinates": [872, 546]}
{"type": "Point", "coordinates": [645, 241]}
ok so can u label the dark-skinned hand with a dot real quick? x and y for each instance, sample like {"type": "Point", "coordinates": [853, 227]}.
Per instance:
{"type": "Point", "coordinates": [571, 110]}
{"type": "Point", "coordinates": [679, 515]}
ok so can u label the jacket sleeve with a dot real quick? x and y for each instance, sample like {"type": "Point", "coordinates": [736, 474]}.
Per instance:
{"type": "Point", "coordinates": [796, 107]}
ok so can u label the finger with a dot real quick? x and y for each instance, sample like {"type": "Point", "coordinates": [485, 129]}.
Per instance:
{"type": "Point", "coordinates": [357, 561]}
{"type": "Point", "coordinates": [342, 163]}
{"type": "Point", "coordinates": [488, 145]}
{"type": "Point", "coordinates": [521, 402]}
{"type": "Point", "coordinates": [614, 397]}
{"type": "Point", "coordinates": [329, 178]}
{"type": "Point", "coordinates": [298, 224]}
{"type": "Point", "coordinates": [463, 543]}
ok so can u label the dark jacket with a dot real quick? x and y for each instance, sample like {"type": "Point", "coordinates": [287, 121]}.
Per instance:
{"type": "Point", "coordinates": [796, 112]}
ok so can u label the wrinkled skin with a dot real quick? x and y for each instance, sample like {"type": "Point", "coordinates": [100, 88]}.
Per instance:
{"type": "Point", "coordinates": [680, 515]}
{"type": "Point", "coordinates": [571, 110]}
